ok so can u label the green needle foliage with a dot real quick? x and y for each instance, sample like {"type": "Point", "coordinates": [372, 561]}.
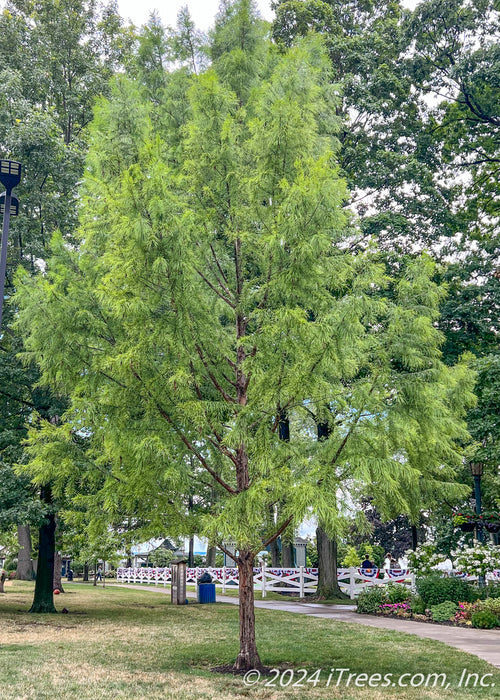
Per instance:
{"type": "Point", "coordinates": [213, 289]}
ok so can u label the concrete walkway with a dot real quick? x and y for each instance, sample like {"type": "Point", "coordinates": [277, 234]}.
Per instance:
{"type": "Point", "coordinates": [482, 643]}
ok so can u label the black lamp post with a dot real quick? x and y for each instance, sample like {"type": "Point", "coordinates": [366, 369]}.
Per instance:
{"type": "Point", "coordinates": [477, 472]}
{"type": "Point", "coordinates": [10, 176]}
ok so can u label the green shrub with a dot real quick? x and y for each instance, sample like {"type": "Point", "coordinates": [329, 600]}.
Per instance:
{"type": "Point", "coordinates": [492, 590]}
{"type": "Point", "coordinates": [396, 593]}
{"type": "Point", "coordinates": [417, 605]}
{"type": "Point", "coordinates": [491, 604]}
{"type": "Point", "coordinates": [10, 564]}
{"type": "Point", "coordinates": [352, 558]}
{"type": "Point", "coordinates": [480, 592]}
{"type": "Point", "coordinates": [444, 611]}
{"type": "Point", "coordinates": [437, 589]}
{"type": "Point", "coordinates": [484, 619]}
{"type": "Point", "coordinates": [370, 600]}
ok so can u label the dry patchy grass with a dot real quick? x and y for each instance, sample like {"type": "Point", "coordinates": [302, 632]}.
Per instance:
{"type": "Point", "coordinates": [130, 644]}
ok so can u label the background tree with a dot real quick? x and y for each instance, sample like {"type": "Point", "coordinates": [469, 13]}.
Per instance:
{"type": "Point", "coordinates": [55, 58]}
{"type": "Point", "coordinates": [420, 105]}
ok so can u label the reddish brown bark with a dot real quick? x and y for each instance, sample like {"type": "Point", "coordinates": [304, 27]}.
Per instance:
{"type": "Point", "coordinates": [248, 657]}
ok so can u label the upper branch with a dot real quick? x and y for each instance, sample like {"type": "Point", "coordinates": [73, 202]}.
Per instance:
{"type": "Point", "coordinates": [164, 414]}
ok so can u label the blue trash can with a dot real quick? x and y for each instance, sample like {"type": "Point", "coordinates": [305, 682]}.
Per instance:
{"type": "Point", "coordinates": [206, 593]}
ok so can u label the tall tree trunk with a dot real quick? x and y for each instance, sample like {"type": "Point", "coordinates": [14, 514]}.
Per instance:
{"type": "Point", "coordinates": [86, 571]}
{"type": "Point", "coordinates": [57, 581]}
{"type": "Point", "coordinates": [414, 537]}
{"type": "Point", "coordinates": [191, 552]}
{"type": "Point", "coordinates": [2, 581]}
{"type": "Point", "coordinates": [248, 657]}
{"type": "Point", "coordinates": [274, 546]}
{"type": "Point", "coordinates": [43, 601]}
{"type": "Point", "coordinates": [287, 538]}
{"type": "Point", "coordinates": [24, 570]}
{"type": "Point", "coordinates": [287, 557]}
{"type": "Point", "coordinates": [328, 586]}
{"type": "Point", "coordinates": [191, 539]}
{"type": "Point", "coordinates": [210, 556]}
{"type": "Point", "coordinates": [275, 554]}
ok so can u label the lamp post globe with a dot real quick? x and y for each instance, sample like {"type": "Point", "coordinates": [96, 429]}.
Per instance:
{"type": "Point", "coordinates": [10, 174]}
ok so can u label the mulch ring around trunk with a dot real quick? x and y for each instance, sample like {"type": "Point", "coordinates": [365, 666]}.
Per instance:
{"type": "Point", "coordinates": [231, 670]}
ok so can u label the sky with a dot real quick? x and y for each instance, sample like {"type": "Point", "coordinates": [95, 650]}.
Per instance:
{"type": "Point", "coordinates": [202, 11]}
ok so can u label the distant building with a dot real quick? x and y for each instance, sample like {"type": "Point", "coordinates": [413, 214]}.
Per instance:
{"type": "Point", "coordinates": [142, 552]}
{"type": "Point", "coordinates": [299, 552]}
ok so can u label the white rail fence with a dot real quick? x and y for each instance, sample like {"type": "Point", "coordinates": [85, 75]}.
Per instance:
{"type": "Point", "coordinates": [301, 581]}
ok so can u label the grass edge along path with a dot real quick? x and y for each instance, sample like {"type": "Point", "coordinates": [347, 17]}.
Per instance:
{"type": "Point", "coordinates": [482, 643]}
{"type": "Point", "coordinates": [127, 643]}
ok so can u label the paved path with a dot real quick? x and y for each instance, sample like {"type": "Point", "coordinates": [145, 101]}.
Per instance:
{"type": "Point", "coordinates": [482, 643]}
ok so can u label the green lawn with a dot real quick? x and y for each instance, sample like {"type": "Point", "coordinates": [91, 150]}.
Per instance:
{"type": "Point", "coordinates": [232, 591]}
{"type": "Point", "coordinates": [123, 643]}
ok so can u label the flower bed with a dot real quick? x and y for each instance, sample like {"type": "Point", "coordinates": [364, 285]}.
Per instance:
{"type": "Point", "coordinates": [433, 604]}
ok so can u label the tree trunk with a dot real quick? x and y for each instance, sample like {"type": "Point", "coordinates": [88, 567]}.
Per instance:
{"type": "Point", "coordinates": [286, 544]}
{"type": "Point", "coordinates": [210, 556]}
{"type": "Point", "coordinates": [86, 571]}
{"type": "Point", "coordinates": [248, 657]}
{"type": "Point", "coordinates": [24, 570]}
{"type": "Point", "coordinates": [95, 573]}
{"type": "Point", "coordinates": [287, 555]}
{"type": "Point", "coordinates": [328, 586]}
{"type": "Point", "coordinates": [274, 548]}
{"type": "Point", "coordinates": [191, 538]}
{"type": "Point", "coordinates": [57, 581]}
{"type": "Point", "coordinates": [2, 581]}
{"type": "Point", "coordinates": [414, 537]}
{"type": "Point", "coordinates": [275, 554]}
{"type": "Point", "coordinates": [43, 601]}
{"type": "Point", "coordinates": [191, 553]}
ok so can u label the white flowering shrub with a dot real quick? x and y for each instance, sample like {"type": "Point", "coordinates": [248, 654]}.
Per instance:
{"type": "Point", "coordinates": [477, 560]}
{"type": "Point", "coordinates": [423, 560]}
